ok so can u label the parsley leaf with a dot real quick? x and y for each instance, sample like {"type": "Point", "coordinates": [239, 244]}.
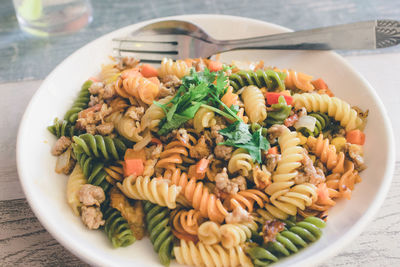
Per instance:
{"type": "Point", "coordinates": [238, 135]}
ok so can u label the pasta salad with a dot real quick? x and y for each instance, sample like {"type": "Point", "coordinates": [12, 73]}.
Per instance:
{"type": "Point", "coordinates": [216, 164]}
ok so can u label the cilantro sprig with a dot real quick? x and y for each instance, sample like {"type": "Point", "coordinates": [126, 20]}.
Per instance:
{"type": "Point", "coordinates": [238, 135]}
{"type": "Point", "coordinates": [199, 89]}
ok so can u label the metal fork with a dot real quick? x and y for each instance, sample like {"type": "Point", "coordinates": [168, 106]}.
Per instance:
{"type": "Point", "coordinates": [182, 39]}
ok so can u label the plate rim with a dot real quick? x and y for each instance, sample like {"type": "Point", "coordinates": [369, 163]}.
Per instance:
{"type": "Point", "coordinates": [318, 257]}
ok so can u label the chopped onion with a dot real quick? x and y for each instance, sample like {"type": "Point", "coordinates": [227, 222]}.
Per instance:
{"type": "Point", "coordinates": [63, 161]}
{"type": "Point", "coordinates": [306, 122]}
{"type": "Point", "coordinates": [144, 142]}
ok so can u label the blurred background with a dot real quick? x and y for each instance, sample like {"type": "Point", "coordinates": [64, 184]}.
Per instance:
{"type": "Point", "coordinates": [34, 57]}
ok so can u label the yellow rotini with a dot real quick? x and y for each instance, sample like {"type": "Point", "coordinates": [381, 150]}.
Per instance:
{"type": "Point", "coordinates": [178, 68]}
{"type": "Point", "coordinates": [254, 104]}
{"type": "Point", "coordinates": [285, 201]}
{"type": "Point", "coordinates": [75, 181]}
{"type": "Point", "coordinates": [297, 80]}
{"type": "Point", "coordinates": [204, 118]}
{"type": "Point", "coordinates": [156, 190]}
{"type": "Point", "coordinates": [241, 162]}
{"type": "Point", "coordinates": [291, 156]}
{"type": "Point", "coordinates": [229, 235]}
{"type": "Point", "coordinates": [153, 115]}
{"type": "Point", "coordinates": [200, 254]}
{"type": "Point", "coordinates": [339, 109]}
{"type": "Point", "coordinates": [126, 126]}
{"type": "Point", "coordinates": [109, 73]}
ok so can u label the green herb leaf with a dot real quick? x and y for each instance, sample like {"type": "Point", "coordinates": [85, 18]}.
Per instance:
{"type": "Point", "coordinates": [237, 132]}
{"type": "Point", "coordinates": [239, 136]}
{"type": "Point", "coordinates": [176, 122]}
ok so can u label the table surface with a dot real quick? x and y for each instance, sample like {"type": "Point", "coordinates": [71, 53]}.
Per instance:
{"type": "Point", "coordinates": [25, 61]}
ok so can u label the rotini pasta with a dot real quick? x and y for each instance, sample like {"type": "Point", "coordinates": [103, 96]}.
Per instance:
{"type": "Point", "coordinates": [254, 104]}
{"type": "Point", "coordinates": [98, 146]}
{"type": "Point", "coordinates": [116, 227]}
{"type": "Point", "coordinates": [178, 68]}
{"type": "Point", "coordinates": [229, 235]}
{"type": "Point", "coordinates": [155, 190]}
{"type": "Point", "coordinates": [336, 108]}
{"type": "Point", "coordinates": [241, 162]}
{"type": "Point", "coordinates": [200, 254]}
{"type": "Point", "coordinates": [153, 115]}
{"type": "Point", "coordinates": [297, 80]}
{"type": "Point", "coordinates": [80, 103]}
{"type": "Point", "coordinates": [204, 118]}
{"type": "Point", "coordinates": [160, 231]}
{"type": "Point", "coordinates": [327, 153]}
{"type": "Point", "coordinates": [261, 78]}
{"type": "Point", "coordinates": [75, 181]}
{"type": "Point", "coordinates": [198, 195]}
{"type": "Point", "coordinates": [203, 157]}
{"type": "Point", "coordinates": [294, 237]}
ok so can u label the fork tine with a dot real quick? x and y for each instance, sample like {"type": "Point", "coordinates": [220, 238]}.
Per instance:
{"type": "Point", "coordinates": [146, 56]}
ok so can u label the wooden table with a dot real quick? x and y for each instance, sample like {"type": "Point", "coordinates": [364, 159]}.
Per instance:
{"type": "Point", "coordinates": [25, 61]}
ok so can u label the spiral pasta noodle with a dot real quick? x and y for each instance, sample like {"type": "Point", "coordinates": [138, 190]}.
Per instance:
{"type": "Point", "coordinates": [172, 155]}
{"type": "Point", "coordinates": [229, 235]}
{"type": "Point", "coordinates": [343, 183]}
{"type": "Point", "coordinates": [297, 80]}
{"type": "Point", "coordinates": [286, 201]}
{"type": "Point", "coordinates": [198, 195]}
{"type": "Point", "coordinates": [327, 153]}
{"type": "Point", "coordinates": [178, 68]}
{"type": "Point", "coordinates": [63, 128]}
{"type": "Point", "coordinates": [153, 115]}
{"type": "Point", "coordinates": [80, 103]}
{"type": "Point", "coordinates": [126, 126]}
{"type": "Point", "coordinates": [75, 181]}
{"type": "Point", "coordinates": [116, 227]}
{"type": "Point", "coordinates": [109, 73]}
{"type": "Point", "coordinates": [185, 223]}
{"type": "Point", "coordinates": [254, 104]}
{"type": "Point", "coordinates": [339, 109]}
{"type": "Point", "coordinates": [200, 254]}
{"type": "Point", "coordinates": [155, 190]}
{"type": "Point", "coordinates": [241, 162]}
{"type": "Point", "coordinates": [204, 118]}
{"type": "Point", "coordinates": [246, 199]}
{"type": "Point", "coordinates": [260, 78]}
{"type": "Point", "coordinates": [295, 237]}
{"type": "Point", "coordinates": [322, 122]}
{"type": "Point", "coordinates": [98, 146]}
{"type": "Point", "coordinates": [160, 231]}
{"type": "Point", "coordinates": [93, 171]}
{"type": "Point", "coordinates": [291, 155]}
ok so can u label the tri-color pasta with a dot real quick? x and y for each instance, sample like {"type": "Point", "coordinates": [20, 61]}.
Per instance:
{"type": "Point", "coordinates": [218, 166]}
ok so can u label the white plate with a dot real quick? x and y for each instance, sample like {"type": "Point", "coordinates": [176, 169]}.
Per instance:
{"type": "Point", "coordinates": [45, 190]}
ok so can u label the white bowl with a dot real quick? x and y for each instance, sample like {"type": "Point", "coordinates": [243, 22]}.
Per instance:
{"type": "Point", "coordinates": [45, 190]}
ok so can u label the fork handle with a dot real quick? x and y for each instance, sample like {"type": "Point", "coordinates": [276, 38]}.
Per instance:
{"type": "Point", "coordinates": [360, 35]}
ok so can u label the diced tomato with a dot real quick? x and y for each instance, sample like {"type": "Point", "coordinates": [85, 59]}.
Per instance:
{"type": "Point", "coordinates": [355, 137]}
{"type": "Point", "coordinates": [319, 84]}
{"type": "Point", "coordinates": [133, 167]}
{"type": "Point", "coordinates": [94, 79]}
{"type": "Point", "coordinates": [272, 98]}
{"type": "Point", "coordinates": [202, 165]}
{"type": "Point", "coordinates": [156, 141]}
{"type": "Point", "coordinates": [148, 71]}
{"type": "Point", "coordinates": [214, 65]}
{"type": "Point", "coordinates": [273, 150]}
